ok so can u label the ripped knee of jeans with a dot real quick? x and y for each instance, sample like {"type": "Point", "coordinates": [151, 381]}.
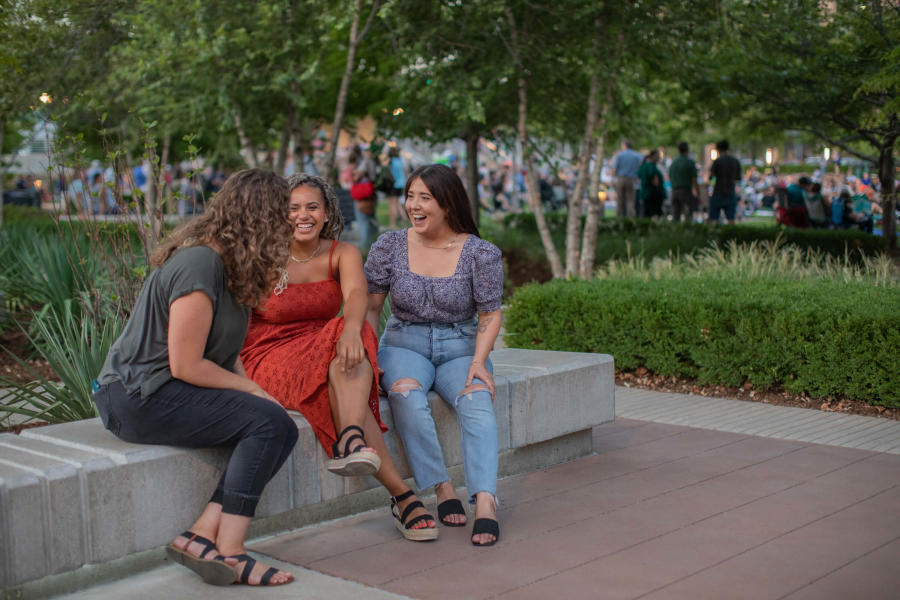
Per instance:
{"type": "Point", "coordinates": [471, 389]}
{"type": "Point", "coordinates": [404, 386]}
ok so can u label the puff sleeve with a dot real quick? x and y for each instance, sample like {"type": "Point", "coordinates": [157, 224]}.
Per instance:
{"type": "Point", "coordinates": [379, 265]}
{"type": "Point", "coordinates": [487, 278]}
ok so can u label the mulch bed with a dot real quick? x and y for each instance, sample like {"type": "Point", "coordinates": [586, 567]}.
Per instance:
{"type": "Point", "coordinates": [14, 340]}
{"type": "Point", "coordinates": [644, 379]}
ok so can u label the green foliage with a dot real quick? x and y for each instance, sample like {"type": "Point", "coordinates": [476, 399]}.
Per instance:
{"type": "Point", "coordinates": [646, 238]}
{"type": "Point", "coordinates": [747, 314]}
{"type": "Point", "coordinates": [75, 343]}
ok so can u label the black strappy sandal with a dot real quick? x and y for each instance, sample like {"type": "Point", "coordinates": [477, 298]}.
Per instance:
{"type": "Point", "coordinates": [451, 507]}
{"type": "Point", "coordinates": [489, 526]}
{"type": "Point", "coordinates": [360, 461]}
{"type": "Point", "coordinates": [244, 577]}
{"type": "Point", "coordinates": [214, 571]}
{"type": "Point", "coordinates": [424, 534]}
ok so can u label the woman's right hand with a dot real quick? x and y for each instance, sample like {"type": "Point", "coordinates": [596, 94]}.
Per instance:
{"type": "Point", "coordinates": [258, 391]}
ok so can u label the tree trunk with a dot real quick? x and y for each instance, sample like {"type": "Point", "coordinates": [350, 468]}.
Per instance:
{"type": "Point", "coordinates": [2, 170]}
{"type": "Point", "coordinates": [472, 174]}
{"type": "Point", "coordinates": [573, 222]}
{"type": "Point", "coordinates": [595, 211]}
{"type": "Point", "coordinates": [356, 37]}
{"type": "Point", "coordinates": [534, 199]}
{"type": "Point", "coordinates": [888, 196]}
{"type": "Point", "coordinates": [299, 142]}
{"type": "Point", "coordinates": [246, 144]}
{"type": "Point", "coordinates": [287, 128]}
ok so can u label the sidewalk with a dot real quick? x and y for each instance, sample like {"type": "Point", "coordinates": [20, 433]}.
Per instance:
{"type": "Point", "coordinates": [687, 497]}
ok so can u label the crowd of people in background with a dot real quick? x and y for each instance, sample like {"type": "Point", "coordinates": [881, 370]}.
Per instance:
{"type": "Point", "coordinates": [636, 183]}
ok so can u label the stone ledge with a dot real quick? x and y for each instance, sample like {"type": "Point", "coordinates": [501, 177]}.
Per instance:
{"type": "Point", "coordinates": [73, 494]}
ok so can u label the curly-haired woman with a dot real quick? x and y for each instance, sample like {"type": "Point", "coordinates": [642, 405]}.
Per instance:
{"type": "Point", "coordinates": [337, 388]}
{"type": "Point", "coordinates": [174, 376]}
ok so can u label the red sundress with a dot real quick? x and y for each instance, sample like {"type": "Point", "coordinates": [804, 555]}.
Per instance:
{"type": "Point", "coordinates": [291, 342]}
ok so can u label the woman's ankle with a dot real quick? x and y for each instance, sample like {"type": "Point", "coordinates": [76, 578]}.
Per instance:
{"type": "Point", "coordinates": [445, 491]}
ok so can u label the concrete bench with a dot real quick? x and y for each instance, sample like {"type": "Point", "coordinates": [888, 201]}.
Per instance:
{"type": "Point", "coordinates": [73, 495]}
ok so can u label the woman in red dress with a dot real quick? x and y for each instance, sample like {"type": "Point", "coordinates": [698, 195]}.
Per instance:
{"type": "Point", "coordinates": [324, 365]}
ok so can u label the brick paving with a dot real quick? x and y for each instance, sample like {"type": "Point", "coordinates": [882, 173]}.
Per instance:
{"type": "Point", "coordinates": [661, 511]}
{"type": "Point", "coordinates": [685, 497]}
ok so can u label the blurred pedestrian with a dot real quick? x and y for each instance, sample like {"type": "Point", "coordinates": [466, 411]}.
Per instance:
{"type": "Point", "coordinates": [625, 167]}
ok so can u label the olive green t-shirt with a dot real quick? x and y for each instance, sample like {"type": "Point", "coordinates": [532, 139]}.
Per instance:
{"type": "Point", "coordinates": [140, 357]}
{"type": "Point", "coordinates": [682, 172]}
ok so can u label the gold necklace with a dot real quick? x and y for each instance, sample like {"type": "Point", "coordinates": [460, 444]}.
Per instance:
{"type": "Point", "coordinates": [308, 258]}
{"type": "Point", "coordinates": [449, 245]}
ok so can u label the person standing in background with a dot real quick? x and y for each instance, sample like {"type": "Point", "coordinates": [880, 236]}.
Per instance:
{"type": "Point", "coordinates": [685, 191]}
{"type": "Point", "coordinates": [396, 201]}
{"type": "Point", "coordinates": [726, 170]}
{"type": "Point", "coordinates": [625, 167]}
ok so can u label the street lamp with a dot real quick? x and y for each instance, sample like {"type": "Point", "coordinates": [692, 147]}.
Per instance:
{"type": "Point", "coordinates": [769, 157]}
{"type": "Point", "coordinates": [827, 153]}
{"type": "Point", "coordinates": [46, 98]}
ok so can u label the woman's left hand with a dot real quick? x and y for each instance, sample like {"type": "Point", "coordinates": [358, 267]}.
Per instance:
{"type": "Point", "coordinates": [349, 350]}
{"type": "Point", "coordinates": [479, 370]}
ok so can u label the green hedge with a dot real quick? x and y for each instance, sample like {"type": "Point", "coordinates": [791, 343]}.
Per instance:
{"type": "Point", "coordinates": [820, 337]}
{"type": "Point", "coordinates": [690, 236]}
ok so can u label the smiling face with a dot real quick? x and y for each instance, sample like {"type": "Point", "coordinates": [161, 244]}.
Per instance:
{"type": "Point", "coordinates": [425, 214]}
{"type": "Point", "coordinates": [307, 213]}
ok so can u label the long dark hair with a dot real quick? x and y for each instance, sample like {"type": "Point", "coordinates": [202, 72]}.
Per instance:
{"type": "Point", "coordinates": [446, 187]}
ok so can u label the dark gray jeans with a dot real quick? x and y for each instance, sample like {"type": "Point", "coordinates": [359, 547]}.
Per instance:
{"type": "Point", "coordinates": [180, 414]}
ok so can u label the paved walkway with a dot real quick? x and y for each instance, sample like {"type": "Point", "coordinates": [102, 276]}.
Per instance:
{"type": "Point", "coordinates": [687, 497]}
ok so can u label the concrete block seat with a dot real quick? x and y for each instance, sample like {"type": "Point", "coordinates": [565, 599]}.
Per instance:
{"type": "Point", "coordinates": [74, 495]}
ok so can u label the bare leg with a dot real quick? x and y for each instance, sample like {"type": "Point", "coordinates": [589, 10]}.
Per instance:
{"type": "Point", "coordinates": [484, 509]}
{"type": "Point", "coordinates": [349, 394]}
{"type": "Point", "coordinates": [232, 533]}
{"type": "Point", "coordinates": [228, 532]}
{"type": "Point", "coordinates": [207, 525]}
{"type": "Point", "coordinates": [446, 491]}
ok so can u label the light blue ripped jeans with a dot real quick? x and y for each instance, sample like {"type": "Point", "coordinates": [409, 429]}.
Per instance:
{"type": "Point", "coordinates": [438, 355]}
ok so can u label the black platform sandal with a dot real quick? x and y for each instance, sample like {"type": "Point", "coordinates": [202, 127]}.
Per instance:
{"type": "Point", "coordinates": [352, 463]}
{"type": "Point", "coordinates": [450, 507]}
{"type": "Point", "coordinates": [424, 534]}
{"type": "Point", "coordinates": [489, 526]}
{"type": "Point", "coordinates": [214, 571]}
{"type": "Point", "coordinates": [244, 577]}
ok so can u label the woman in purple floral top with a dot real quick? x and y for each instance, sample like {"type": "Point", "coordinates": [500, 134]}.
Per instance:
{"type": "Point", "coordinates": [445, 284]}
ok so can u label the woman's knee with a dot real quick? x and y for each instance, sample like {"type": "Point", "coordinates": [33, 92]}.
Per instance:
{"type": "Point", "coordinates": [407, 395]}
{"type": "Point", "coordinates": [275, 419]}
{"type": "Point", "coordinates": [362, 370]}
{"type": "Point", "coordinates": [404, 386]}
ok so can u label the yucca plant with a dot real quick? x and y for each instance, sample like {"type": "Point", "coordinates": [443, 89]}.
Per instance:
{"type": "Point", "coordinates": [75, 342]}
{"type": "Point", "coordinates": [41, 269]}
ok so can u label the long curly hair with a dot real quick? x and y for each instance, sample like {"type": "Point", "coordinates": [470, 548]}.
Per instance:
{"type": "Point", "coordinates": [335, 225]}
{"type": "Point", "coordinates": [247, 223]}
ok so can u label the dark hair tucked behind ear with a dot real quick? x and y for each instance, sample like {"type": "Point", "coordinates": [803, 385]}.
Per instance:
{"type": "Point", "coordinates": [446, 187]}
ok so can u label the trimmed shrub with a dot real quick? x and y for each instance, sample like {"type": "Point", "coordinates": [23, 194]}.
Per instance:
{"type": "Point", "coordinates": [820, 336]}
{"type": "Point", "coordinates": [623, 238]}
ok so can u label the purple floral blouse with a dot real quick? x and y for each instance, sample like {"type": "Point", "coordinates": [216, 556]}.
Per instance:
{"type": "Point", "coordinates": [476, 286]}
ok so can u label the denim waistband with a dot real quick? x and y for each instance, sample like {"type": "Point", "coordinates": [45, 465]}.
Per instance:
{"type": "Point", "coordinates": [472, 321]}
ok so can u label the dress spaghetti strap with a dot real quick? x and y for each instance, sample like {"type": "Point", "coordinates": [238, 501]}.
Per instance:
{"type": "Point", "coordinates": [334, 244]}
